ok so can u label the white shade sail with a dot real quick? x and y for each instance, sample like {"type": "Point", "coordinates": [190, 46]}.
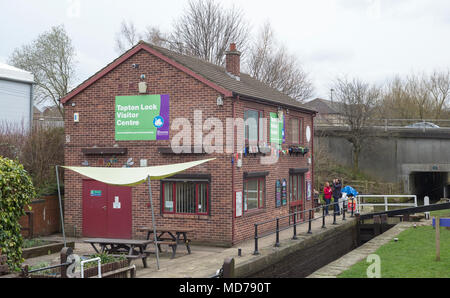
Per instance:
{"type": "Point", "coordinates": [134, 176]}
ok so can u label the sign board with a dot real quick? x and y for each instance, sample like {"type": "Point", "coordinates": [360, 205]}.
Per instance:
{"type": "Point", "coordinates": [116, 204]}
{"type": "Point", "coordinates": [284, 192]}
{"type": "Point", "coordinates": [96, 193]}
{"type": "Point", "coordinates": [308, 190]}
{"type": "Point", "coordinates": [308, 133]}
{"type": "Point", "coordinates": [308, 175]}
{"type": "Point", "coordinates": [444, 222]}
{"type": "Point", "coordinates": [278, 193]}
{"type": "Point", "coordinates": [239, 204]}
{"type": "Point", "coordinates": [142, 118]}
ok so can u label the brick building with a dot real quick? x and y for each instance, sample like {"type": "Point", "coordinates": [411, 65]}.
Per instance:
{"type": "Point", "coordinates": [221, 200]}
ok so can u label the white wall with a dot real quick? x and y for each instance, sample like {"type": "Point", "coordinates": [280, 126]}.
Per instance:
{"type": "Point", "coordinates": [15, 105]}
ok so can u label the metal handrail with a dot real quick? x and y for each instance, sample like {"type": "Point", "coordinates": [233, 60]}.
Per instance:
{"type": "Point", "coordinates": [50, 267]}
{"type": "Point", "coordinates": [295, 224]}
{"type": "Point", "coordinates": [386, 204]}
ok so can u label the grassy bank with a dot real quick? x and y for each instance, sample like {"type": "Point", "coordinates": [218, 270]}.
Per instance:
{"type": "Point", "coordinates": [413, 256]}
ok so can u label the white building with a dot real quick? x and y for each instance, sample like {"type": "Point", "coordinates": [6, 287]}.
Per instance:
{"type": "Point", "coordinates": [16, 97]}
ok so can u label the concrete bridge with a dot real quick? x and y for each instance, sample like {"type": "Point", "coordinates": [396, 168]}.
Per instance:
{"type": "Point", "coordinates": [417, 158]}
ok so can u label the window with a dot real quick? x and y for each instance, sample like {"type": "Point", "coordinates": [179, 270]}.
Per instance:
{"type": "Point", "coordinates": [296, 131]}
{"type": "Point", "coordinates": [185, 197]}
{"type": "Point", "coordinates": [254, 190]}
{"type": "Point", "coordinates": [296, 189]}
{"type": "Point", "coordinates": [254, 128]}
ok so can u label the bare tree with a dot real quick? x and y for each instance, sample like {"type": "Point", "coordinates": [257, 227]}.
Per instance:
{"type": "Point", "coordinates": [51, 59]}
{"type": "Point", "coordinates": [155, 36]}
{"type": "Point", "coordinates": [206, 29]}
{"type": "Point", "coordinates": [274, 66]}
{"type": "Point", "coordinates": [416, 96]}
{"type": "Point", "coordinates": [127, 36]}
{"type": "Point", "coordinates": [358, 101]}
{"type": "Point", "coordinates": [438, 87]}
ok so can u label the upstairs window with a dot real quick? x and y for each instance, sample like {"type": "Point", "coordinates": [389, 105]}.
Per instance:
{"type": "Point", "coordinates": [296, 131]}
{"type": "Point", "coordinates": [254, 128]}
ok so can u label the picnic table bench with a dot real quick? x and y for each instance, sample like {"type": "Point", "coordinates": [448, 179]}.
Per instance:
{"type": "Point", "coordinates": [131, 249]}
{"type": "Point", "coordinates": [169, 236]}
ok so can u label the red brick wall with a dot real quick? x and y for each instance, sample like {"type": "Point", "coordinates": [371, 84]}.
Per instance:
{"type": "Point", "coordinates": [244, 226]}
{"type": "Point", "coordinates": [46, 217]}
{"type": "Point", "coordinates": [95, 106]}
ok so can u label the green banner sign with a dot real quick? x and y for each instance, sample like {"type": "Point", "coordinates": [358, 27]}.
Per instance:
{"type": "Point", "coordinates": [276, 129]}
{"type": "Point", "coordinates": [142, 118]}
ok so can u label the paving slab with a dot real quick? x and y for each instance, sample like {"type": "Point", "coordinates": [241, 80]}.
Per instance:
{"type": "Point", "coordinates": [204, 261]}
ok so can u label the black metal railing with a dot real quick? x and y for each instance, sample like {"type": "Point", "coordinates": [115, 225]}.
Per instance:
{"type": "Point", "coordinates": [309, 212]}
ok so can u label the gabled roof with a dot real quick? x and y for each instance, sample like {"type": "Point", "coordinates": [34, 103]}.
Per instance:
{"type": "Point", "coordinates": [324, 106]}
{"type": "Point", "coordinates": [213, 75]}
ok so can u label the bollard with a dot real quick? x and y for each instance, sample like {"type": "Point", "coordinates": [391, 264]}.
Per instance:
{"type": "Point", "coordinates": [295, 227]}
{"type": "Point", "coordinates": [309, 224]}
{"type": "Point", "coordinates": [277, 244]}
{"type": "Point", "coordinates": [343, 210]}
{"type": "Point", "coordinates": [256, 252]}
{"type": "Point", "coordinates": [239, 252]}
{"type": "Point", "coordinates": [323, 218]}
{"type": "Point", "coordinates": [334, 215]}
{"type": "Point", "coordinates": [353, 207]}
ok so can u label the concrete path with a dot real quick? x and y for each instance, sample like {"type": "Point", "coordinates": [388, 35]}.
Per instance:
{"type": "Point", "coordinates": [204, 261]}
{"type": "Point", "coordinates": [344, 263]}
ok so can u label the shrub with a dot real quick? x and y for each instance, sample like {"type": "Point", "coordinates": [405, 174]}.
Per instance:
{"type": "Point", "coordinates": [38, 149]}
{"type": "Point", "coordinates": [16, 192]}
{"type": "Point", "coordinates": [42, 150]}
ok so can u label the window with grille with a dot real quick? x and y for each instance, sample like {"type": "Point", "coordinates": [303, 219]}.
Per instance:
{"type": "Point", "coordinates": [186, 197]}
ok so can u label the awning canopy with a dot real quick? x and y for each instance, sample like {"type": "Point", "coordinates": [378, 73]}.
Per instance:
{"type": "Point", "coordinates": [134, 176]}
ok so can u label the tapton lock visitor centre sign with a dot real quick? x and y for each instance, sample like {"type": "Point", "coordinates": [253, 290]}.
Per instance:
{"type": "Point", "coordinates": [142, 118]}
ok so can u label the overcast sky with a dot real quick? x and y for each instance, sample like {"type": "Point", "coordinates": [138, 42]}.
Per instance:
{"type": "Point", "coordinates": [370, 39]}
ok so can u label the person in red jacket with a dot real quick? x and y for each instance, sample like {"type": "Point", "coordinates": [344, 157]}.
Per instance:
{"type": "Point", "coordinates": [327, 193]}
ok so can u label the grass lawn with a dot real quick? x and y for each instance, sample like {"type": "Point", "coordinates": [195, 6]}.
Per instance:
{"type": "Point", "coordinates": [413, 256]}
{"type": "Point", "coordinates": [441, 213]}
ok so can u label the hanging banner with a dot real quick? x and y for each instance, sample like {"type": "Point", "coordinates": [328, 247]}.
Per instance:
{"type": "Point", "coordinates": [142, 118]}
{"type": "Point", "coordinates": [277, 133]}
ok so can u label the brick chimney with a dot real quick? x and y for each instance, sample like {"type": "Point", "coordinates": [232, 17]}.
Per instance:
{"type": "Point", "coordinates": [233, 61]}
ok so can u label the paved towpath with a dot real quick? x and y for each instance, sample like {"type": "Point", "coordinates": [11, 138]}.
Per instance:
{"type": "Point", "coordinates": [204, 261]}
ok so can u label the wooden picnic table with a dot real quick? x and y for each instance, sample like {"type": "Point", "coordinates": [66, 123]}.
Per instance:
{"type": "Point", "coordinates": [169, 236]}
{"type": "Point", "coordinates": [131, 249]}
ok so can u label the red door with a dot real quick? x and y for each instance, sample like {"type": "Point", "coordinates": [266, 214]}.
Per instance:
{"type": "Point", "coordinates": [106, 210]}
{"type": "Point", "coordinates": [119, 212]}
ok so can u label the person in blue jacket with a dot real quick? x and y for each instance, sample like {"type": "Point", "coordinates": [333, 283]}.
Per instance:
{"type": "Point", "coordinates": [337, 194]}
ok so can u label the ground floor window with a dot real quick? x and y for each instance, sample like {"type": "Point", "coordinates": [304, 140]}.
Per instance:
{"type": "Point", "coordinates": [189, 197]}
{"type": "Point", "coordinates": [254, 193]}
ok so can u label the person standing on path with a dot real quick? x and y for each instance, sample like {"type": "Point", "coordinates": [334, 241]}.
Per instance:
{"type": "Point", "coordinates": [327, 192]}
{"type": "Point", "coordinates": [337, 194]}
